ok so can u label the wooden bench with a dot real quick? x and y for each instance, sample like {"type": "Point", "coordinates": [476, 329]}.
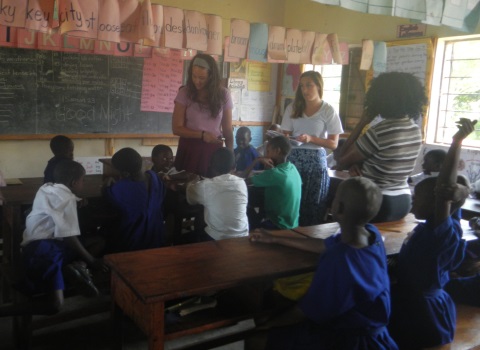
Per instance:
{"type": "Point", "coordinates": [467, 334]}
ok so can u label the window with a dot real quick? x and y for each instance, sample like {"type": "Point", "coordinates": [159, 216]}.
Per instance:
{"type": "Point", "coordinates": [332, 79]}
{"type": "Point", "coordinates": [455, 89]}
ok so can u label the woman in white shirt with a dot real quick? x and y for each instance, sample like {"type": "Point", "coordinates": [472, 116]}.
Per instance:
{"type": "Point", "coordinates": [315, 123]}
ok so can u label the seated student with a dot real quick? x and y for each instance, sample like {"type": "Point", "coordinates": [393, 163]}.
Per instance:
{"type": "Point", "coordinates": [283, 187]}
{"type": "Point", "coordinates": [224, 198]}
{"type": "Point", "coordinates": [137, 201]}
{"type": "Point", "coordinates": [62, 148]}
{"type": "Point", "coordinates": [432, 163]}
{"type": "Point", "coordinates": [261, 149]}
{"type": "Point", "coordinates": [51, 248]}
{"type": "Point", "coordinates": [334, 156]}
{"type": "Point", "coordinates": [245, 153]}
{"type": "Point", "coordinates": [162, 159]}
{"type": "Point", "coordinates": [429, 253]}
{"type": "Point", "coordinates": [347, 305]}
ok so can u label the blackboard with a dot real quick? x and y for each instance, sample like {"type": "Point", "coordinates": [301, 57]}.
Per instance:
{"type": "Point", "coordinates": [51, 92]}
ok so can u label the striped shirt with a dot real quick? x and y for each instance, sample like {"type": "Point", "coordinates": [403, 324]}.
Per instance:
{"type": "Point", "coordinates": [391, 148]}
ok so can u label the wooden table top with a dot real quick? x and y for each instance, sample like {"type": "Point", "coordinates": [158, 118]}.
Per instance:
{"type": "Point", "coordinates": [24, 193]}
{"type": "Point", "coordinates": [168, 273]}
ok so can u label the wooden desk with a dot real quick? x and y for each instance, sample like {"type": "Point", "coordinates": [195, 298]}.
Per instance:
{"type": "Point", "coordinates": [143, 281]}
{"type": "Point", "coordinates": [394, 232]}
{"type": "Point", "coordinates": [16, 198]}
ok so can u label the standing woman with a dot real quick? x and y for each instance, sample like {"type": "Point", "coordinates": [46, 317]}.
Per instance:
{"type": "Point", "coordinates": [315, 123]}
{"type": "Point", "coordinates": [387, 152]}
{"type": "Point", "coordinates": [202, 114]}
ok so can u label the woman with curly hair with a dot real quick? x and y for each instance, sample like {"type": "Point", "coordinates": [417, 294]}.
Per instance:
{"type": "Point", "coordinates": [311, 120]}
{"type": "Point", "coordinates": [202, 114]}
{"type": "Point", "coordinates": [387, 152]}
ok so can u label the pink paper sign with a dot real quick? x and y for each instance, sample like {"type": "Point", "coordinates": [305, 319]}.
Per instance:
{"type": "Point", "coordinates": [145, 23]}
{"type": "Point", "coordinates": [294, 45]}
{"type": "Point", "coordinates": [239, 37]}
{"type": "Point", "coordinates": [226, 55]}
{"type": "Point", "coordinates": [276, 43]}
{"type": "Point", "coordinates": [318, 52]}
{"type": "Point", "coordinates": [70, 16]}
{"type": "Point", "coordinates": [195, 30]}
{"type": "Point", "coordinates": [173, 27]}
{"type": "Point", "coordinates": [308, 38]}
{"type": "Point", "coordinates": [13, 13]}
{"type": "Point", "coordinates": [157, 13]}
{"type": "Point", "coordinates": [109, 21]}
{"type": "Point", "coordinates": [129, 18]}
{"type": "Point", "coordinates": [162, 76]}
{"type": "Point", "coordinates": [89, 11]}
{"type": "Point", "coordinates": [40, 15]}
{"type": "Point", "coordinates": [214, 34]}
{"type": "Point", "coordinates": [345, 53]}
{"type": "Point", "coordinates": [334, 48]}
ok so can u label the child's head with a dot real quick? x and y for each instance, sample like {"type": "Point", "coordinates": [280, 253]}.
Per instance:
{"type": "Point", "coordinates": [357, 201]}
{"type": "Point", "coordinates": [128, 162]}
{"type": "Point", "coordinates": [278, 149]}
{"type": "Point", "coordinates": [62, 146]}
{"type": "Point", "coordinates": [423, 203]}
{"type": "Point", "coordinates": [162, 157]}
{"type": "Point", "coordinates": [433, 160]}
{"type": "Point", "coordinates": [273, 127]}
{"type": "Point", "coordinates": [70, 174]}
{"type": "Point", "coordinates": [336, 152]}
{"type": "Point", "coordinates": [222, 162]}
{"type": "Point", "coordinates": [243, 137]}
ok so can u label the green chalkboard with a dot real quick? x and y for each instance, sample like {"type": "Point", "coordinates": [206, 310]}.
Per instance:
{"type": "Point", "coordinates": [50, 92]}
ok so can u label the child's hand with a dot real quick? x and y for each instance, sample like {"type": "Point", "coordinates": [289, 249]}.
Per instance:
{"type": "Point", "coordinates": [452, 192]}
{"type": "Point", "coordinates": [260, 235]}
{"type": "Point", "coordinates": [465, 127]}
{"type": "Point", "coordinates": [267, 162]}
{"type": "Point", "coordinates": [82, 203]}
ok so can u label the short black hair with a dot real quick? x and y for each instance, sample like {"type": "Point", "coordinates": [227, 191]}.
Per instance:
{"type": "Point", "coordinates": [437, 155]}
{"type": "Point", "coordinates": [60, 144]}
{"type": "Point", "coordinates": [282, 143]}
{"type": "Point", "coordinates": [223, 161]}
{"type": "Point", "coordinates": [244, 129]}
{"type": "Point", "coordinates": [67, 171]}
{"type": "Point", "coordinates": [128, 162]}
{"type": "Point", "coordinates": [160, 149]}
{"type": "Point", "coordinates": [395, 95]}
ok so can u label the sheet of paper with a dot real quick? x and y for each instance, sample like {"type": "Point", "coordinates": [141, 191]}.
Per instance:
{"type": "Point", "coordinates": [239, 37]}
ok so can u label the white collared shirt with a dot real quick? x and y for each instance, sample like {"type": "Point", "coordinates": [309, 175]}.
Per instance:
{"type": "Point", "coordinates": [53, 215]}
{"type": "Point", "coordinates": [225, 200]}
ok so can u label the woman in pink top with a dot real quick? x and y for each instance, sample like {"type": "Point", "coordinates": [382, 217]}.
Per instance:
{"type": "Point", "coordinates": [202, 116]}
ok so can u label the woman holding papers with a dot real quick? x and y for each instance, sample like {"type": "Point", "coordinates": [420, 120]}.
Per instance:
{"type": "Point", "coordinates": [202, 116]}
{"type": "Point", "coordinates": [314, 123]}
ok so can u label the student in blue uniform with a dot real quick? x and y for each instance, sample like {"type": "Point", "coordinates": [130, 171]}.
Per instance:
{"type": "Point", "coordinates": [423, 314]}
{"type": "Point", "coordinates": [62, 148]}
{"type": "Point", "coordinates": [245, 153]}
{"type": "Point", "coordinates": [137, 201]}
{"type": "Point", "coordinates": [348, 303]}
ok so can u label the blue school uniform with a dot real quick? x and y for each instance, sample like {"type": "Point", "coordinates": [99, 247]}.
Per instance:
{"type": "Point", "coordinates": [423, 314]}
{"type": "Point", "coordinates": [245, 156]}
{"type": "Point", "coordinates": [140, 210]}
{"type": "Point", "coordinates": [347, 304]}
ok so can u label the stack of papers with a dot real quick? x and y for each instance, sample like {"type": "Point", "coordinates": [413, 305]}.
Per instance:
{"type": "Point", "coordinates": [293, 141]}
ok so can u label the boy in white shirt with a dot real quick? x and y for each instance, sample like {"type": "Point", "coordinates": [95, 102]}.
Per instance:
{"type": "Point", "coordinates": [51, 248]}
{"type": "Point", "coordinates": [224, 198]}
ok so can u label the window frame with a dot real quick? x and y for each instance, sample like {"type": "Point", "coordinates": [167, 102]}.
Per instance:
{"type": "Point", "coordinates": [436, 118]}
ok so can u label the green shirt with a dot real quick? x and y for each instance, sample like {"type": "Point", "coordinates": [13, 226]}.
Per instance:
{"type": "Point", "coordinates": [283, 191]}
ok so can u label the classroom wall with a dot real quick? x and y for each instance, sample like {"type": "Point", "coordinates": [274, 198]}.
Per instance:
{"type": "Point", "coordinates": [28, 158]}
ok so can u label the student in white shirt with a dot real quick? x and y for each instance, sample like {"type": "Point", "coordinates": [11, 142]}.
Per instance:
{"type": "Point", "coordinates": [224, 197]}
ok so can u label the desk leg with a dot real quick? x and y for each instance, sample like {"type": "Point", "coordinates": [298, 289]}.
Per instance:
{"type": "Point", "coordinates": [117, 326]}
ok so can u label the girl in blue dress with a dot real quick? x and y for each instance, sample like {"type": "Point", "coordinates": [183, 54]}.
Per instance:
{"type": "Point", "coordinates": [429, 253]}
{"type": "Point", "coordinates": [347, 306]}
